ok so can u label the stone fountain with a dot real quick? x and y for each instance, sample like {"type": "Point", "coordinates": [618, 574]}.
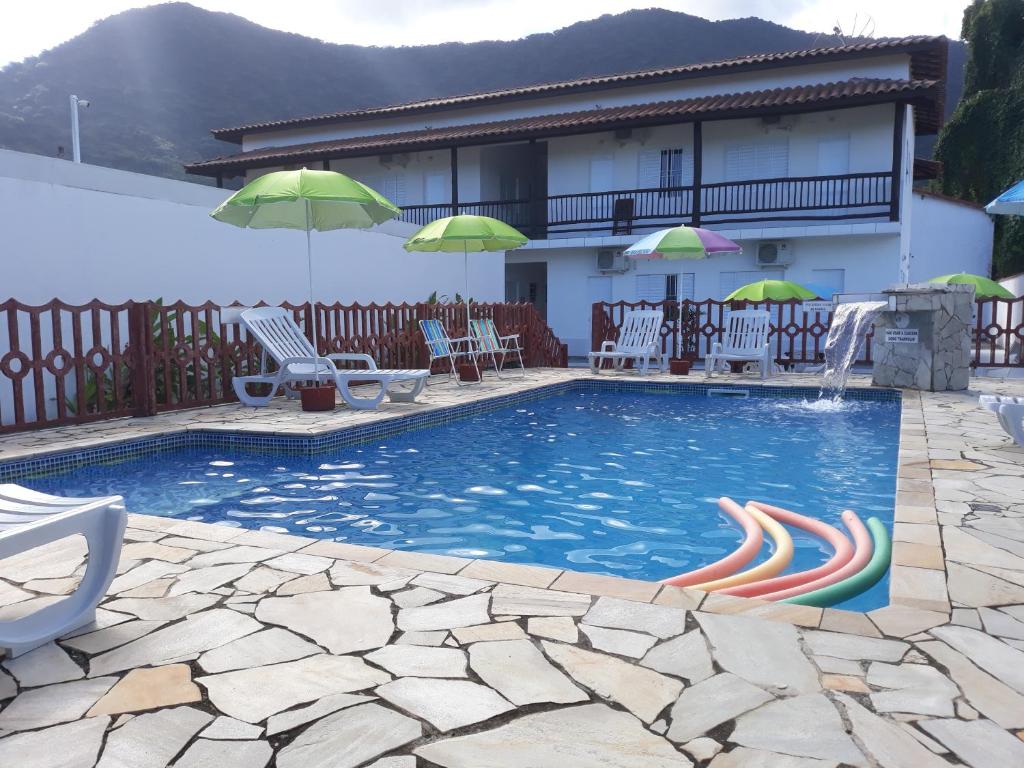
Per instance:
{"type": "Point", "coordinates": [923, 338]}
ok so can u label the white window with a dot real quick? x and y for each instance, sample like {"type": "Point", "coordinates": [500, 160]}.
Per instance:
{"type": "Point", "coordinates": [757, 160]}
{"type": "Point", "coordinates": [435, 188]}
{"type": "Point", "coordinates": [730, 281]}
{"type": "Point", "coordinates": [661, 168]}
{"type": "Point", "coordinates": [826, 282]}
{"type": "Point", "coordinates": [602, 174]}
{"type": "Point", "coordinates": [655, 288]}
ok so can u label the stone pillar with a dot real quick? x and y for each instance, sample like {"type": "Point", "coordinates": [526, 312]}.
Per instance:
{"type": "Point", "coordinates": [926, 342]}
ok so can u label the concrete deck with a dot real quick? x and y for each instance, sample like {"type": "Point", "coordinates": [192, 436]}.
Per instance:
{"type": "Point", "coordinates": [237, 647]}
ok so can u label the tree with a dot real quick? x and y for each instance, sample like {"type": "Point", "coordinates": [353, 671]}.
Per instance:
{"type": "Point", "coordinates": [981, 147]}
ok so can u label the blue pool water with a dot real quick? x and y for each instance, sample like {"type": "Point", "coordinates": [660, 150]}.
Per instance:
{"type": "Point", "coordinates": [609, 482]}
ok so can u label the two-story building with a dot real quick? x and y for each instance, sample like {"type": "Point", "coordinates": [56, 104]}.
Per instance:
{"type": "Point", "coordinates": [806, 158]}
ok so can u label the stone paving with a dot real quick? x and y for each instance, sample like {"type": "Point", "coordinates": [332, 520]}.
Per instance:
{"type": "Point", "coordinates": [246, 649]}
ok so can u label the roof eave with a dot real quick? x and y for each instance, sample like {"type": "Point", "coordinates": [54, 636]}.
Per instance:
{"type": "Point", "coordinates": [939, 46]}
{"type": "Point", "coordinates": [240, 165]}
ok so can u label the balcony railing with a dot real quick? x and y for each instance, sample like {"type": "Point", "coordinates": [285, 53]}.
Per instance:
{"type": "Point", "coordinates": [839, 197]}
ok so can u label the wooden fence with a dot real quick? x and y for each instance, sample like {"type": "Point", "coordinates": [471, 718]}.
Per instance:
{"type": "Point", "coordinates": [798, 337]}
{"type": "Point", "coordinates": [696, 325]}
{"type": "Point", "coordinates": [66, 364]}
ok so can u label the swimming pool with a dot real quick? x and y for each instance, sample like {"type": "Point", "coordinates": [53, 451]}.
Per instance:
{"type": "Point", "coordinates": [613, 482]}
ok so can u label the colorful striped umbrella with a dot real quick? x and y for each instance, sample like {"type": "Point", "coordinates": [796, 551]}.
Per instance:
{"type": "Point", "coordinates": [681, 243]}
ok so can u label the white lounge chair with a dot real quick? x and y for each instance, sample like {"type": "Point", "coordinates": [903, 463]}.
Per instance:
{"type": "Point", "coordinates": [745, 340]}
{"type": "Point", "coordinates": [29, 519]}
{"type": "Point", "coordinates": [282, 339]}
{"type": "Point", "coordinates": [1010, 411]}
{"type": "Point", "coordinates": [639, 340]}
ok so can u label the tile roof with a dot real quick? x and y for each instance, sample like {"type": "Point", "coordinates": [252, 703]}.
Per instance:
{"type": "Point", "coordinates": [928, 62]}
{"type": "Point", "coordinates": [804, 98]}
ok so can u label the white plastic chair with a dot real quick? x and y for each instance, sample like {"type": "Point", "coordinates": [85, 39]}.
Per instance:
{"type": "Point", "coordinates": [639, 340]}
{"type": "Point", "coordinates": [283, 340]}
{"type": "Point", "coordinates": [29, 519]}
{"type": "Point", "coordinates": [1009, 411]}
{"type": "Point", "coordinates": [745, 340]}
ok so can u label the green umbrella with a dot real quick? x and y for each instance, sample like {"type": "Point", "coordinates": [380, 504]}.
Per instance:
{"type": "Point", "coordinates": [983, 287]}
{"type": "Point", "coordinates": [770, 290]}
{"type": "Point", "coordinates": [465, 233]}
{"type": "Point", "coordinates": [307, 200]}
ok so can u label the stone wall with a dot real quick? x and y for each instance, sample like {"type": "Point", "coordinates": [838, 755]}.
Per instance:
{"type": "Point", "coordinates": [929, 346]}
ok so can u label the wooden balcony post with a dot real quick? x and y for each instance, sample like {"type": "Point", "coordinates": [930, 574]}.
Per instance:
{"type": "Point", "coordinates": [698, 163]}
{"type": "Point", "coordinates": [455, 180]}
{"type": "Point", "coordinates": [897, 161]}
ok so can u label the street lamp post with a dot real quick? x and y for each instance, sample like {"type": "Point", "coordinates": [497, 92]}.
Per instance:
{"type": "Point", "coordinates": [76, 145]}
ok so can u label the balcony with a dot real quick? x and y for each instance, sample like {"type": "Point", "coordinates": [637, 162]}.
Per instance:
{"type": "Point", "coordinates": [800, 200]}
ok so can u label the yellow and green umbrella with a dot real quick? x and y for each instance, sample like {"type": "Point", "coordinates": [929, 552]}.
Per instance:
{"type": "Point", "coordinates": [984, 288]}
{"type": "Point", "coordinates": [466, 233]}
{"type": "Point", "coordinates": [306, 200]}
{"type": "Point", "coordinates": [770, 290]}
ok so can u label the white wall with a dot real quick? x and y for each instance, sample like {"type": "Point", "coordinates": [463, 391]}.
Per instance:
{"type": "Point", "coordinates": [78, 232]}
{"type": "Point", "coordinates": [948, 236]}
{"type": "Point", "coordinates": [1014, 284]}
{"type": "Point", "coordinates": [870, 263]}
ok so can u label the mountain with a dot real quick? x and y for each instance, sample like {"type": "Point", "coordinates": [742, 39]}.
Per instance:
{"type": "Point", "coordinates": [159, 78]}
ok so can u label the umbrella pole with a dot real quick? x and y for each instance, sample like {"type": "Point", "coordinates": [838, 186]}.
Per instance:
{"type": "Point", "coordinates": [679, 316]}
{"type": "Point", "coordinates": [465, 268]}
{"type": "Point", "coordinates": [312, 306]}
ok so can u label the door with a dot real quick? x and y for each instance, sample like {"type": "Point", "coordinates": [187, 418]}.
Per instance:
{"type": "Point", "coordinates": [834, 160]}
{"type": "Point", "coordinates": [602, 179]}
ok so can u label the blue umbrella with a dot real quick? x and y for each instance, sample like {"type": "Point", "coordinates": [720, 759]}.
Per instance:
{"type": "Point", "coordinates": [1010, 202]}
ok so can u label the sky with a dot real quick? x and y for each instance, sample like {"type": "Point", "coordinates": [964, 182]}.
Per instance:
{"type": "Point", "coordinates": [31, 26]}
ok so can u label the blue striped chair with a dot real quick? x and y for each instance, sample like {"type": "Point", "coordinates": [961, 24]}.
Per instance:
{"type": "Point", "coordinates": [441, 347]}
{"type": "Point", "coordinates": [489, 342]}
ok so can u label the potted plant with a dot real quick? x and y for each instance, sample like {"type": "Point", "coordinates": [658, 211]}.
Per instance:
{"type": "Point", "coordinates": [679, 366]}
{"type": "Point", "coordinates": [317, 397]}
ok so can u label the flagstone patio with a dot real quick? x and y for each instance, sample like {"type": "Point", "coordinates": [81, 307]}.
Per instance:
{"type": "Point", "coordinates": [245, 648]}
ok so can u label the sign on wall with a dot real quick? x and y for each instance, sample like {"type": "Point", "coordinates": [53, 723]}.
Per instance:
{"type": "Point", "coordinates": [823, 307]}
{"type": "Point", "coordinates": [901, 335]}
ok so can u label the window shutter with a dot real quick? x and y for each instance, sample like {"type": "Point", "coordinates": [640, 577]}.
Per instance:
{"type": "Point", "coordinates": [761, 160]}
{"type": "Point", "coordinates": [649, 171]}
{"type": "Point", "coordinates": [650, 288]}
{"type": "Point", "coordinates": [394, 188]}
{"type": "Point", "coordinates": [686, 286]}
{"type": "Point", "coordinates": [776, 159]}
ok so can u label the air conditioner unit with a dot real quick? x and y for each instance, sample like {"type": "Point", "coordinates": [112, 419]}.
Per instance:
{"type": "Point", "coordinates": [774, 253]}
{"type": "Point", "coordinates": [610, 260]}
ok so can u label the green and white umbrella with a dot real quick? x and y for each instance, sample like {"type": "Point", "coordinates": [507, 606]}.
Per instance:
{"type": "Point", "coordinates": [466, 233]}
{"type": "Point", "coordinates": [770, 290]}
{"type": "Point", "coordinates": [306, 200]}
{"type": "Point", "coordinates": [984, 288]}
